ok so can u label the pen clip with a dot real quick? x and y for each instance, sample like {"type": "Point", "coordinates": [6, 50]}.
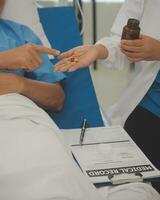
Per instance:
{"type": "Point", "coordinates": [125, 178]}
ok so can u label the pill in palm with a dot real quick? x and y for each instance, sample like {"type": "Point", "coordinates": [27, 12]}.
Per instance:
{"type": "Point", "coordinates": [74, 59]}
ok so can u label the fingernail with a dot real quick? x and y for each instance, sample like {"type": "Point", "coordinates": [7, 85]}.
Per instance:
{"type": "Point", "coordinates": [123, 41]}
{"type": "Point", "coordinates": [71, 70]}
{"type": "Point", "coordinates": [58, 52]}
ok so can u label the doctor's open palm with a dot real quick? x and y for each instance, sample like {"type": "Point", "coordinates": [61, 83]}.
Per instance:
{"type": "Point", "coordinates": [78, 57]}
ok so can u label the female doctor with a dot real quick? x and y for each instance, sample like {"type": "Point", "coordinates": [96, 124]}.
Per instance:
{"type": "Point", "coordinates": [138, 109]}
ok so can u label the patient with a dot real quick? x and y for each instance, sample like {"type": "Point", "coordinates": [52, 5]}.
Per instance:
{"type": "Point", "coordinates": [25, 67]}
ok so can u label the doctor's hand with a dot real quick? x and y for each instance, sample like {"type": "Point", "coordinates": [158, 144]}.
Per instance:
{"type": "Point", "coordinates": [27, 57]}
{"type": "Point", "coordinates": [144, 49]}
{"type": "Point", "coordinates": [80, 57]}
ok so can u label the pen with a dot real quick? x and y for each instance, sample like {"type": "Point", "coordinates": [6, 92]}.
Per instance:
{"type": "Point", "coordinates": [83, 130]}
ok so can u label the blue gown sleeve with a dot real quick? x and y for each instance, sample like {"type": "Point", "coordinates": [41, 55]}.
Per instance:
{"type": "Point", "coordinates": [46, 71]}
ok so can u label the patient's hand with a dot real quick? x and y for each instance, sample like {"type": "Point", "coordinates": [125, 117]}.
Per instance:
{"type": "Point", "coordinates": [80, 57]}
{"type": "Point", "coordinates": [27, 57]}
{"type": "Point", "coordinates": [10, 83]}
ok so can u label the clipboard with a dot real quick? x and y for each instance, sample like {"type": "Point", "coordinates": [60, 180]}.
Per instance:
{"type": "Point", "coordinates": [122, 162]}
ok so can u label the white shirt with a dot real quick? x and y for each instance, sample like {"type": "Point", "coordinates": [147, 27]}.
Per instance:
{"type": "Point", "coordinates": [147, 11]}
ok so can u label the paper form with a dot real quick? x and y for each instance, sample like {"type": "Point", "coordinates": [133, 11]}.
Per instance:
{"type": "Point", "coordinates": [108, 151]}
{"type": "Point", "coordinates": [92, 135]}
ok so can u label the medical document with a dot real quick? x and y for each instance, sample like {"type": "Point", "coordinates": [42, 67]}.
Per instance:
{"type": "Point", "coordinates": [108, 154]}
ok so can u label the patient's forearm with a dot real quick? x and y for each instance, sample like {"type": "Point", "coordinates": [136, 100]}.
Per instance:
{"type": "Point", "coordinates": [48, 96]}
{"type": "Point", "coordinates": [3, 60]}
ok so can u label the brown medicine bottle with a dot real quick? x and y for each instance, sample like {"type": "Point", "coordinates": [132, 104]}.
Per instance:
{"type": "Point", "coordinates": [132, 30]}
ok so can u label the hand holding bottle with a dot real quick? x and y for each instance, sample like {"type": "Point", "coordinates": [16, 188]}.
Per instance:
{"type": "Point", "coordinates": [146, 48]}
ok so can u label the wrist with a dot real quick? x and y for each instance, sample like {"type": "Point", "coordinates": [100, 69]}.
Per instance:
{"type": "Point", "coordinates": [102, 51]}
{"type": "Point", "coordinates": [24, 86]}
{"type": "Point", "coordinates": [3, 60]}
{"type": "Point", "coordinates": [21, 84]}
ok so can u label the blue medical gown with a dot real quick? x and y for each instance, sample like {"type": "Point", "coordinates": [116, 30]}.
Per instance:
{"type": "Point", "coordinates": [14, 35]}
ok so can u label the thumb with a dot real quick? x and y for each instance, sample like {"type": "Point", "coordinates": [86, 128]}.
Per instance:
{"type": "Point", "coordinates": [66, 54]}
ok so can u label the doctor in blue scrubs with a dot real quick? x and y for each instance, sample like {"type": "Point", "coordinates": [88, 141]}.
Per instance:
{"type": "Point", "coordinates": [25, 67]}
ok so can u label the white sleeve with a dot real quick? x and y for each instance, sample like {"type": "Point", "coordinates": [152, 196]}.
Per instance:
{"type": "Point", "coordinates": [130, 9]}
{"type": "Point", "coordinates": [115, 58]}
